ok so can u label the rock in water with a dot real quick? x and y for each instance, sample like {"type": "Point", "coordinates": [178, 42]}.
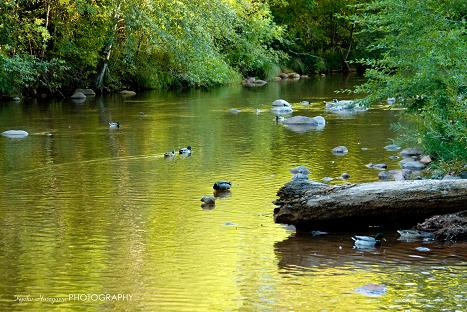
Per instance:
{"type": "Point", "coordinates": [78, 96]}
{"type": "Point", "coordinates": [392, 147]}
{"type": "Point", "coordinates": [411, 151]}
{"type": "Point", "coordinates": [87, 92]}
{"type": "Point", "coordinates": [300, 169]}
{"type": "Point", "coordinates": [127, 93]}
{"type": "Point", "coordinates": [15, 134]}
{"type": "Point", "coordinates": [340, 150]}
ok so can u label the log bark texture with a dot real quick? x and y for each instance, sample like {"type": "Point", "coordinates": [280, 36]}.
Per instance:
{"type": "Point", "coordinates": [311, 205]}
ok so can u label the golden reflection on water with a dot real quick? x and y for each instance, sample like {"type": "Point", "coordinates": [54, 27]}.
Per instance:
{"type": "Point", "coordinates": [92, 210]}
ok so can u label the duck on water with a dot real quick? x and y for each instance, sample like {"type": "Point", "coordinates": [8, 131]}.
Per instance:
{"type": "Point", "coordinates": [368, 241]}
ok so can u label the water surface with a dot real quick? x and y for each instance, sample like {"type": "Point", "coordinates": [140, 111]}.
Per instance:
{"type": "Point", "coordinates": [89, 210]}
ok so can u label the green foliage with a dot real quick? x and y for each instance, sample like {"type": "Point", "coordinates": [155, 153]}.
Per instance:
{"type": "Point", "coordinates": [147, 44]}
{"type": "Point", "coordinates": [319, 33]}
{"type": "Point", "coordinates": [422, 47]}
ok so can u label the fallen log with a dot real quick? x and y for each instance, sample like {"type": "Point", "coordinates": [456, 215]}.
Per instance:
{"type": "Point", "coordinates": [310, 205]}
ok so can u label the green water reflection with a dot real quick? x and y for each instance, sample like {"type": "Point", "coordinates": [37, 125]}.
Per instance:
{"type": "Point", "coordinates": [92, 210]}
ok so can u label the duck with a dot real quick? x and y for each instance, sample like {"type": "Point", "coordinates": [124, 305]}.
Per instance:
{"type": "Point", "coordinates": [414, 234]}
{"type": "Point", "coordinates": [114, 125]}
{"type": "Point", "coordinates": [185, 150]}
{"type": "Point", "coordinates": [222, 186]}
{"type": "Point", "coordinates": [169, 154]}
{"type": "Point", "coordinates": [208, 200]}
{"type": "Point", "coordinates": [368, 241]}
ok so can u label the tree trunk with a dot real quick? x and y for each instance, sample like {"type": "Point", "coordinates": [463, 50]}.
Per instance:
{"type": "Point", "coordinates": [309, 205]}
{"type": "Point", "coordinates": [108, 51]}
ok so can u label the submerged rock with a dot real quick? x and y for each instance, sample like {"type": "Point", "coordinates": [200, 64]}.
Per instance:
{"type": "Point", "coordinates": [392, 147]}
{"type": "Point", "coordinates": [372, 290]}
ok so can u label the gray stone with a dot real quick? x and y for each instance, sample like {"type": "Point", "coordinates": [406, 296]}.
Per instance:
{"type": "Point", "coordinates": [280, 103]}
{"type": "Point", "coordinates": [411, 151]}
{"type": "Point", "coordinates": [87, 92]}
{"type": "Point", "coordinates": [327, 179]}
{"type": "Point", "coordinates": [345, 176]}
{"type": "Point", "coordinates": [303, 120]}
{"type": "Point", "coordinates": [78, 96]}
{"type": "Point", "coordinates": [15, 134]}
{"type": "Point", "coordinates": [300, 169]}
{"type": "Point", "coordinates": [340, 150]}
{"type": "Point", "coordinates": [127, 93]}
{"type": "Point", "coordinates": [425, 159]}
{"type": "Point", "coordinates": [412, 165]}
{"type": "Point", "coordinates": [384, 175]}
{"type": "Point", "coordinates": [377, 166]}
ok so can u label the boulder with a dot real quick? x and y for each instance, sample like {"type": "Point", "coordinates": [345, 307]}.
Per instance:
{"type": "Point", "coordinates": [303, 120]}
{"type": "Point", "coordinates": [78, 96]}
{"type": "Point", "coordinates": [280, 103]}
{"type": "Point", "coordinates": [294, 76]}
{"type": "Point", "coordinates": [304, 77]}
{"type": "Point", "coordinates": [283, 75]}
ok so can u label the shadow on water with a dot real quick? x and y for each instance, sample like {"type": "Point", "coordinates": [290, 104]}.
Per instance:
{"type": "Point", "coordinates": [306, 252]}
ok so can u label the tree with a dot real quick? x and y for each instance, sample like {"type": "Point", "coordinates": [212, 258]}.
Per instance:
{"type": "Point", "coordinates": [421, 47]}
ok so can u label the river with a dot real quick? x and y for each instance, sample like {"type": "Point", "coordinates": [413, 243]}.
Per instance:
{"type": "Point", "coordinates": [86, 210]}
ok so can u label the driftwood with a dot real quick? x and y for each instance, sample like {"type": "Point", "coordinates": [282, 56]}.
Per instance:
{"type": "Point", "coordinates": [310, 205]}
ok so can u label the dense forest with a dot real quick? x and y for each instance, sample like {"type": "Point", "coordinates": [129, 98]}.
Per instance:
{"type": "Point", "coordinates": [57, 45]}
{"type": "Point", "coordinates": [412, 50]}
